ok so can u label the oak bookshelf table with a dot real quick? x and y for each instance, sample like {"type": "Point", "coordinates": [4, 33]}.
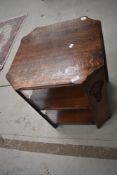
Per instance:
{"type": "Point", "coordinates": [61, 71]}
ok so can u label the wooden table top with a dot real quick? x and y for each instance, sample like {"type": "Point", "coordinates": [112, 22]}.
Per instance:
{"type": "Point", "coordinates": [60, 54]}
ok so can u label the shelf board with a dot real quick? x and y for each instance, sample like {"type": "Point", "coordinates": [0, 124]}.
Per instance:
{"type": "Point", "coordinates": [72, 97]}
{"type": "Point", "coordinates": [70, 116]}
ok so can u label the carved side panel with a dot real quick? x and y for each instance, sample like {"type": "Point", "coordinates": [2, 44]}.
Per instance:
{"type": "Point", "coordinates": [96, 90]}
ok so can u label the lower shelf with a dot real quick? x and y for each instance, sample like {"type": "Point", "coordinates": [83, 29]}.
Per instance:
{"type": "Point", "coordinates": [70, 116]}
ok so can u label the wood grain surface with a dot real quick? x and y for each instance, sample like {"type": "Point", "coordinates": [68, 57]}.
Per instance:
{"type": "Point", "coordinates": [73, 97]}
{"type": "Point", "coordinates": [70, 116]}
{"type": "Point", "coordinates": [65, 53]}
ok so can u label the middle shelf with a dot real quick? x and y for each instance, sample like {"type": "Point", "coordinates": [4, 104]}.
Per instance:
{"type": "Point", "coordinates": [67, 97]}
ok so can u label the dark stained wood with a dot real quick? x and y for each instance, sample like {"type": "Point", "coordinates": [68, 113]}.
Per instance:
{"type": "Point", "coordinates": [97, 95]}
{"type": "Point", "coordinates": [70, 116]}
{"type": "Point", "coordinates": [59, 54]}
{"type": "Point", "coordinates": [64, 67]}
{"type": "Point", "coordinates": [72, 97]}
